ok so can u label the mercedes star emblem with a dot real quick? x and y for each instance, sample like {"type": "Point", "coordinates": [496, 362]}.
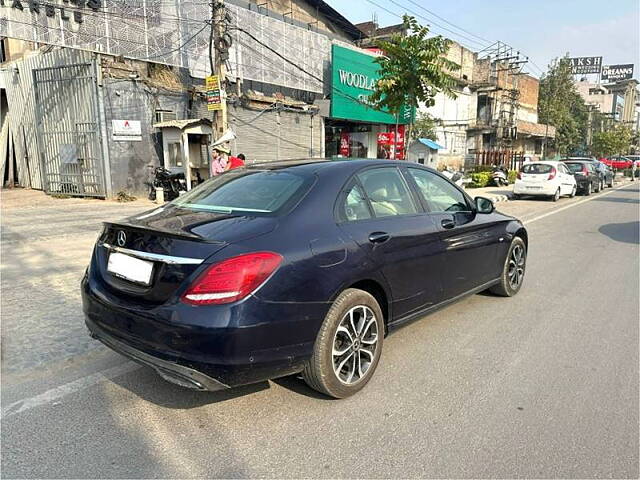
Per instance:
{"type": "Point", "coordinates": [122, 238]}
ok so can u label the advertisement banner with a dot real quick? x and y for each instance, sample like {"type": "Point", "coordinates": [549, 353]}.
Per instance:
{"type": "Point", "coordinates": [614, 73]}
{"type": "Point", "coordinates": [391, 146]}
{"type": "Point", "coordinates": [345, 145]}
{"type": "Point", "coordinates": [354, 75]}
{"type": "Point", "coordinates": [585, 65]}
{"type": "Point", "coordinates": [214, 96]}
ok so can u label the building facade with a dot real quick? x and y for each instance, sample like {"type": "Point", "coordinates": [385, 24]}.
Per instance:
{"type": "Point", "coordinates": [277, 88]}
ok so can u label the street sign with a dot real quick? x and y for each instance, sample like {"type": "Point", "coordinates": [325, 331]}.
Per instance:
{"type": "Point", "coordinates": [585, 65]}
{"type": "Point", "coordinates": [214, 95]}
{"type": "Point", "coordinates": [613, 73]}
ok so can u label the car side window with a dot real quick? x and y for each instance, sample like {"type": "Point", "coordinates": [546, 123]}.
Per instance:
{"type": "Point", "coordinates": [438, 193]}
{"type": "Point", "coordinates": [387, 191]}
{"type": "Point", "coordinates": [354, 205]}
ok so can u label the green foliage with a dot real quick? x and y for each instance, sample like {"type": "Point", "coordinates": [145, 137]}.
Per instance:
{"type": "Point", "coordinates": [413, 69]}
{"type": "Point", "coordinates": [481, 179]}
{"type": "Point", "coordinates": [616, 141]}
{"type": "Point", "coordinates": [425, 127]}
{"type": "Point", "coordinates": [483, 168]}
{"type": "Point", "coordinates": [512, 176]}
{"type": "Point", "coordinates": [560, 105]}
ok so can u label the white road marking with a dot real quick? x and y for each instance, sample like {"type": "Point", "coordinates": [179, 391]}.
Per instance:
{"type": "Point", "coordinates": [66, 389]}
{"type": "Point", "coordinates": [566, 207]}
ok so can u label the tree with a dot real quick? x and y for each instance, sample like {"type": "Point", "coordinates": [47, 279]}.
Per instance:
{"type": "Point", "coordinates": [560, 105]}
{"type": "Point", "coordinates": [425, 126]}
{"type": "Point", "coordinates": [413, 69]}
{"type": "Point", "coordinates": [616, 141]}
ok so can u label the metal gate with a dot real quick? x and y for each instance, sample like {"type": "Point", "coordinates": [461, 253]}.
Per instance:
{"type": "Point", "coordinates": [69, 130]}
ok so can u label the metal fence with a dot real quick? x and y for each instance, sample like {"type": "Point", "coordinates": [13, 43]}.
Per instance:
{"type": "Point", "coordinates": [68, 130]}
{"type": "Point", "coordinates": [501, 158]}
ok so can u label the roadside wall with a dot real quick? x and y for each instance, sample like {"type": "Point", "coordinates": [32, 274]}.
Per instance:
{"type": "Point", "coordinates": [130, 161]}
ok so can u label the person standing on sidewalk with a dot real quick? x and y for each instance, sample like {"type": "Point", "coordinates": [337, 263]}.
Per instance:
{"type": "Point", "coordinates": [218, 160]}
{"type": "Point", "coordinates": [634, 168]}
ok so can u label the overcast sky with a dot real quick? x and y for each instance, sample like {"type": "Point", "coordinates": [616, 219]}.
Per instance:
{"type": "Point", "coordinates": [541, 29]}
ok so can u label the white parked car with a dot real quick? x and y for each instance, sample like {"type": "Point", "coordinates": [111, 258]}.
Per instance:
{"type": "Point", "coordinates": [547, 179]}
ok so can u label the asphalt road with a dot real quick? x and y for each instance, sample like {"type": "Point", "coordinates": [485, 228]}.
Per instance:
{"type": "Point", "coordinates": [545, 384]}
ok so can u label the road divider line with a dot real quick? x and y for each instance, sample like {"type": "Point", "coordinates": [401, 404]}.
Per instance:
{"type": "Point", "coordinates": [566, 207]}
{"type": "Point", "coordinates": [66, 389]}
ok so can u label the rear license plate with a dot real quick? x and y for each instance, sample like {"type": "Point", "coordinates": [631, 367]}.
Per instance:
{"type": "Point", "coordinates": [130, 268]}
{"type": "Point", "coordinates": [534, 188]}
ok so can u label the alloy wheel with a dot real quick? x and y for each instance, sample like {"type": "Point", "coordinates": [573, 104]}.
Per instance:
{"type": "Point", "coordinates": [354, 344]}
{"type": "Point", "coordinates": [516, 266]}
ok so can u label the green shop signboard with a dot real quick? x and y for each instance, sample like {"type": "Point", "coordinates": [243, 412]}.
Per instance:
{"type": "Point", "coordinates": [354, 75]}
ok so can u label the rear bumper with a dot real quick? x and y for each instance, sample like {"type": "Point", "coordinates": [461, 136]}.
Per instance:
{"type": "Point", "coordinates": [582, 183]}
{"type": "Point", "coordinates": [170, 371]}
{"type": "Point", "coordinates": [209, 347]}
{"type": "Point", "coordinates": [521, 188]}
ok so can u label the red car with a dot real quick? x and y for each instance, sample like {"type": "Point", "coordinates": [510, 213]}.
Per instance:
{"type": "Point", "coordinates": [619, 163]}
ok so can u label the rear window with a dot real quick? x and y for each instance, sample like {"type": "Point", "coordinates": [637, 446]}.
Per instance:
{"type": "Point", "coordinates": [574, 167]}
{"type": "Point", "coordinates": [537, 168]}
{"type": "Point", "coordinates": [262, 192]}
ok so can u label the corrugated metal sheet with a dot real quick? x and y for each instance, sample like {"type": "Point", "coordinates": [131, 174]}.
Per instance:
{"type": "Point", "coordinates": [276, 135]}
{"type": "Point", "coordinates": [18, 80]}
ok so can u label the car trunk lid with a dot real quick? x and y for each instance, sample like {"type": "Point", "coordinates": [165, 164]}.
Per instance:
{"type": "Point", "coordinates": [148, 258]}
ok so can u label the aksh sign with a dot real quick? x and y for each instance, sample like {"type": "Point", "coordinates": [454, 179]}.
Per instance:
{"type": "Point", "coordinates": [613, 73]}
{"type": "Point", "coordinates": [585, 65]}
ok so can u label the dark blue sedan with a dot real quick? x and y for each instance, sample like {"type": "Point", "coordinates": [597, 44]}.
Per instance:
{"type": "Point", "coordinates": [282, 268]}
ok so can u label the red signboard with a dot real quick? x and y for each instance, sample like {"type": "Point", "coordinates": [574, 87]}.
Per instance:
{"type": "Point", "coordinates": [345, 148]}
{"type": "Point", "coordinates": [391, 145]}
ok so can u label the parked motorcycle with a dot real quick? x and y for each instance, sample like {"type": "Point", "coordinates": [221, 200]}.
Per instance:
{"type": "Point", "coordinates": [500, 176]}
{"type": "Point", "coordinates": [171, 182]}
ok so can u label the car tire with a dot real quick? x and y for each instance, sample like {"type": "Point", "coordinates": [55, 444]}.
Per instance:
{"type": "Point", "coordinates": [588, 190]}
{"type": "Point", "coordinates": [514, 264]}
{"type": "Point", "coordinates": [556, 196]}
{"type": "Point", "coordinates": [601, 185]}
{"type": "Point", "coordinates": [334, 374]}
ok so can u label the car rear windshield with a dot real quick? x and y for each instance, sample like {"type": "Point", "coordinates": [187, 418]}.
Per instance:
{"type": "Point", "coordinates": [537, 168]}
{"type": "Point", "coordinates": [574, 167]}
{"type": "Point", "coordinates": [261, 192]}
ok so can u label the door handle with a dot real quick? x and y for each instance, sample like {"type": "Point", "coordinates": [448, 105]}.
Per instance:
{"type": "Point", "coordinates": [378, 237]}
{"type": "Point", "coordinates": [448, 223]}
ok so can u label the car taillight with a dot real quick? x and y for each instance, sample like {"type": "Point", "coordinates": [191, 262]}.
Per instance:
{"type": "Point", "coordinates": [519, 175]}
{"type": "Point", "coordinates": [232, 279]}
{"type": "Point", "coordinates": [552, 175]}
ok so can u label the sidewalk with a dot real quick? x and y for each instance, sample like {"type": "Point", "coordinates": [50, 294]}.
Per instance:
{"type": "Point", "coordinates": [496, 194]}
{"type": "Point", "coordinates": [504, 194]}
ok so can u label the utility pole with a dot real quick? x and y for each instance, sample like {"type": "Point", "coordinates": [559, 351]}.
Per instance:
{"type": "Point", "coordinates": [219, 43]}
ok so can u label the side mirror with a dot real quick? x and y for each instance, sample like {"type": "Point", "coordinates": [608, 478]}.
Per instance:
{"type": "Point", "coordinates": [484, 205]}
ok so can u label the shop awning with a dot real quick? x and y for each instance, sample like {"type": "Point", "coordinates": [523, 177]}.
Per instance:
{"type": "Point", "coordinates": [430, 143]}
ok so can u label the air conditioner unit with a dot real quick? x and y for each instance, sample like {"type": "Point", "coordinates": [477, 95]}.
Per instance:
{"type": "Point", "coordinates": [165, 116]}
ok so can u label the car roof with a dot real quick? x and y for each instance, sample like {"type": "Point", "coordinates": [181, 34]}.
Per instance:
{"type": "Point", "coordinates": [314, 165]}
{"type": "Point", "coordinates": [543, 162]}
